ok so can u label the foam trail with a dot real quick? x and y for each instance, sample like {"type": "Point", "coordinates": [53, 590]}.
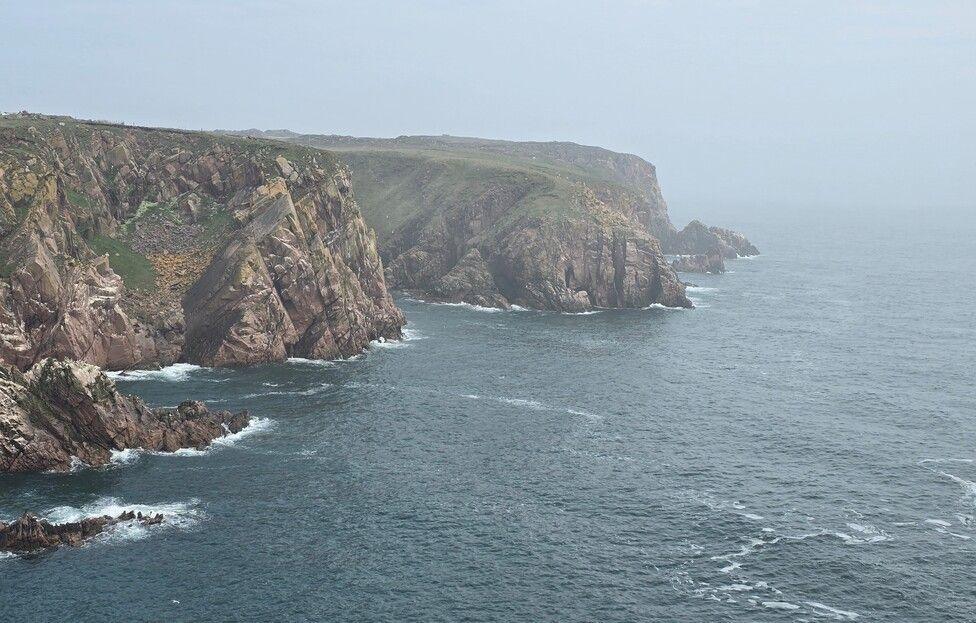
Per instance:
{"type": "Point", "coordinates": [835, 612]}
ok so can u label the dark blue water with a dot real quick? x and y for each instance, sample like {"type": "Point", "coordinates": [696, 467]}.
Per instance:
{"type": "Point", "coordinates": [798, 448]}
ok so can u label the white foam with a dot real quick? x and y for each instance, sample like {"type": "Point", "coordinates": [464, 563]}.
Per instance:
{"type": "Point", "coordinates": [383, 343]}
{"type": "Point", "coordinates": [938, 522]}
{"type": "Point", "coordinates": [924, 461]}
{"type": "Point", "coordinates": [780, 605]}
{"type": "Point", "coordinates": [752, 516]}
{"type": "Point", "coordinates": [124, 457]}
{"type": "Point", "coordinates": [180, 515]}
{"type": "Point", "coordinates": [701, 289]}
{"type": "Point", "coordinates": [305, 392]}
{"type": "Point", "coordinates": [256, 425]}
{"type": "Point", "coordinates": [522, 402]}
{"type": "Point", "coordinates": [173, 374]}
{"type": "Point", "coordinates": [465, 305]}
{"type": "Point", "coordinates": [586, 414]}
{"type": "Point", "coordinates": [834, 612]}
{"type": "Point", "coordinates": [666, 308]}
{"type": "Point", "coordinates": [589, 312]}
{"type": "Point", "coordinates": [311, 362]}
{"type": "Point", "coordinates": [868, 534]}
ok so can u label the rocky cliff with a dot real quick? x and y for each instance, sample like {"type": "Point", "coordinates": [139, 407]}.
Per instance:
{"type": "Point", "coordinates": [545, 225]}
{"type": "Point", "coordinates": [60, 412]}
{"type": "Point", "coordinates": [549, 225]}
{"type": "Point", "coordinates": [129, 247]}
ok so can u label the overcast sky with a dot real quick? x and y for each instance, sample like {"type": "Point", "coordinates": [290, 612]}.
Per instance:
{"type": "Point", "coordinates": [749, 104]}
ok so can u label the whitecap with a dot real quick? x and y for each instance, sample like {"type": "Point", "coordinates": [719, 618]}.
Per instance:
{"type": "Point", "coordinates": [174, 373]}
{"type": "Point", "coordinates": [752, 516]}
{"type": "Point", "coordinates": [780, 605]}
{"type": "Point", "coordinates": [938, 522]}
{"type": "Point", "coordinates": [666, 308]}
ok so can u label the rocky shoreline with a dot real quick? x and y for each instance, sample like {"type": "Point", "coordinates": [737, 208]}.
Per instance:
{"type": "Point", "coordinates": [31, 534]}
{"type": "Point", "coordinates": [62, 413]}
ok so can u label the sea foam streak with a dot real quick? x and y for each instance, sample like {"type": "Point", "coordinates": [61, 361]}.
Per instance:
{"type": "Point", "coordinates": [174, 373]}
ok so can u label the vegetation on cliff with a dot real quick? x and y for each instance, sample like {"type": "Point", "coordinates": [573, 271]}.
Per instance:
{"type": "Point", "coordinates": [126, 246]}
{"type": "Point", "coordinates": [554, 225]}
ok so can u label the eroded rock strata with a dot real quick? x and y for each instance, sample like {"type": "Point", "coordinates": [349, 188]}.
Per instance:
{"type": "Point", "coordinates": [61, 412]}
{"type": "Point", "coordinates": [128, 247]}
{"type": "Point", "coordinates": [30, 533]}
{"type": "Point", "coordinates": [553, 226]}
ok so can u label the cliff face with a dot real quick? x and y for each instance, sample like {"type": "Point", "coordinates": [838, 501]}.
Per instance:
{"type": "Point", "coordinates": [129, 247]}
{"type": "Point", "coordinates": [60, 411]}
{"type": "Point", "coordinates": [551, 226]}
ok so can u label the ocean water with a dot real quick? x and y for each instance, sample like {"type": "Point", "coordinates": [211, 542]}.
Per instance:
{"type": "Point", "coordinates": [800, 447]}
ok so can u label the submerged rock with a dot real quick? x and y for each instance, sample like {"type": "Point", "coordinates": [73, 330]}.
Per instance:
{"type": "Point", "coordinates": [61, 412]}
{"type": "Point", "coordinates": [30, 533]}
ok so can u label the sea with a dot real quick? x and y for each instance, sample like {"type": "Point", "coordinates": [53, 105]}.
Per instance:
{"type": "Point", "coordinates": [801, 446]}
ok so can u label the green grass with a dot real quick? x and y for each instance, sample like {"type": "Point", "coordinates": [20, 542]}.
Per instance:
{"type": "Point", "coordinates": [136, 271]}
{"type": "Point", "coordinates": [76, 198]}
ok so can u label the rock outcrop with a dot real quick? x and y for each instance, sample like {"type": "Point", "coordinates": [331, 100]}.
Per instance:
{"type": "Point", "coordinates": [489, 252]}
{"type": "Point", "coordinates": [703, 263]}
{"type": "Point", "coordinates": [699, 239]}
{"type": "Point", "coordinates": [30, 533]}
{"type": "Point", "coordinates": [132, 247]}
{"type": "Point", "coordinates": [61, 412]}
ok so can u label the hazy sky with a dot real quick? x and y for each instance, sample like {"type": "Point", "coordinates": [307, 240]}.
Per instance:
{"type": "Point", "coordinates": [777, 105]}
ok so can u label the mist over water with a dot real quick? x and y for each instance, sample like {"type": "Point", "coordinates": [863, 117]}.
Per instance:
{"type": "Point", "coordinates": [800, 447]}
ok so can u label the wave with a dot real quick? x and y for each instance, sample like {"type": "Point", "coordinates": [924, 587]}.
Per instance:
{"type": "Point", "coordinates": [700, 289]}
{"type": "Point", "coordinates": [179, 515]}
{"type": "Point", "coordinates": [470, 306]}
{"type": "Point", "coordinates": [780, 605]}
{"type": "Point", "coordinates": [412, 334]}
{"type": "Point", "coordinates": [666, 308]}
{"type": "Point", "coordinates": [256, 425]}
{"type": "Point", "coordinates": [392, 344]}
{"type": "Point", "coordinates": [322, 363]}
{"type": "Point", "coordinates": [173, 373]}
